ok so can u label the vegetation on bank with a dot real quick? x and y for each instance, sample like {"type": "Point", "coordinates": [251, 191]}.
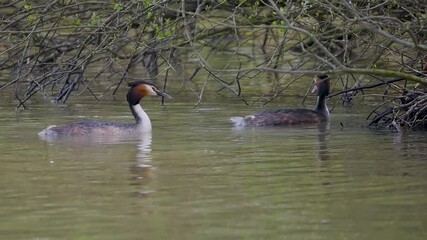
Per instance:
{"type": "Point", "coordinates": [47, 47]}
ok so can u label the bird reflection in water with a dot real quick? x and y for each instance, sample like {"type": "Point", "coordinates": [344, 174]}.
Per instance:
{"type": "Point", "coordinates": [322, 149]}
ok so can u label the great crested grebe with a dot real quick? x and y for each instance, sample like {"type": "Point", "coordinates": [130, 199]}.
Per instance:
{"type": "Point", "coordinates": [277, 117]}
{"type": "Point", "coordinates": [137, 91]}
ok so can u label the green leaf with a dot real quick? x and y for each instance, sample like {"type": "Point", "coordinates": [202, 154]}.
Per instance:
{"type": "Point", "coordinates": [117, 7]}
{"type": "Point", "coordinates": [27, 5]}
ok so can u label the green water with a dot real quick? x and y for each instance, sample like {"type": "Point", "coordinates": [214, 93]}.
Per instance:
{"type": "Point", "coordinates": [197, 177]}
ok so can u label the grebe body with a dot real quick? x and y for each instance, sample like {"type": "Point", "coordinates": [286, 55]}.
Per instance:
{"type": "Point", "coordinates": [277, 117]}
{"type": "Point", "coordinates": [142, 124]}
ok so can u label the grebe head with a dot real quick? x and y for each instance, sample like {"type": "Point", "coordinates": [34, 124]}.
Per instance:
{"type": "Point", "coordinates": [140, 89]}
{"type": "Point", "coordinates": [137, 91]}
{"type": "Point", "coordinates": [321, 85]}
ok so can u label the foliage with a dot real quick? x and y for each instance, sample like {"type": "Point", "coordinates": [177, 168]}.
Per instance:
{"type": "Point", "coordinates": [48, 46]}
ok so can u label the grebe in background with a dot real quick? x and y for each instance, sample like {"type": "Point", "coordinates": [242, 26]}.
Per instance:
{"type": "Point", "coordinates": [277, 117]}
{"type": "Point", "coordinates": [137, 91]}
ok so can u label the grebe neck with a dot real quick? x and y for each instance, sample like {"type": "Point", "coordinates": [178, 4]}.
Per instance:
{"type": "Point", "coordinates": [321, 105]}
{"type": "Point", "coordinates": [142, 120]}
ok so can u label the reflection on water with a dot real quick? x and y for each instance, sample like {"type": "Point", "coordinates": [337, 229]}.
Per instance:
{"type": "Point", "coordinates": [142, 143]}
{"type": "Point", "coordinates": [322, 144]}
{"type": "Point", "coordinates": [143, 155]}
{"type": "Point", "coordinates": [320, 135]}
{"type": "Point", "coordinates": [197, 177]}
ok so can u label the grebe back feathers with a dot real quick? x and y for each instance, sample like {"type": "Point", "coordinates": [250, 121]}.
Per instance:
{"type": "Point", "coordinates": [277, 117]}
{"type": "Point", "coordinates": [137, 91]}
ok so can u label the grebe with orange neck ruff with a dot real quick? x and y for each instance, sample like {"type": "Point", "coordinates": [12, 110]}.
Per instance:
{"type": "Point", "coordinates": [278, 117]}
{"type": "Point", "coordinates": [142, 124]}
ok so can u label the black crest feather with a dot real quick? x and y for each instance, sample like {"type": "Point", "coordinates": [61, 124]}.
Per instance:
{"type": "Point", "coordinates": [136, 83]}
{"type": "Point", "coordinates": [323, 76]}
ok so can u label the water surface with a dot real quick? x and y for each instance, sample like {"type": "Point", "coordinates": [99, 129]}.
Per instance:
{"type": "Point", "coordinates": [197, 177]}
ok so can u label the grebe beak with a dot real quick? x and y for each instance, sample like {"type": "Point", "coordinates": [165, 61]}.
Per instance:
{"type": "Point", "coordinates": [314, 89]}
{"type": "Point", "coordinates": [162, 94]}
{"type": "Point", "coordinates": [318, 80]}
